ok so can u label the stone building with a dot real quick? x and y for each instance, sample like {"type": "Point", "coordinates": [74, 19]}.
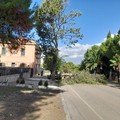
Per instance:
{"type": "Point", "coordinates": [24, 55]}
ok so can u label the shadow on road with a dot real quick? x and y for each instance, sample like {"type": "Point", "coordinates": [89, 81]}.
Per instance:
{"type": "Point", "coordinates": [114, 85]}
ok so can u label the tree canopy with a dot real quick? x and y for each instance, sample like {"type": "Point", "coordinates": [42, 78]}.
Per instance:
{"type": "Point", "coordinates": [16, 19]}
{"type": "Point", "coordinates": [48, 64]}
{"type": "Point", "coordinates": [105, 56]}
{"type": "Point", "coordinates": [53, 24]}
{"type": "Point", "coordinates": [69, 67]}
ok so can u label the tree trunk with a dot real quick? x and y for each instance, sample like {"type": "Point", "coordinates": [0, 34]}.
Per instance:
{"type": "Point", "coordinates": [55, 56]}
{"type": "Point", "coordinates": [118, 76]}
{"type": "Point", "coordinates": [110, 75]}
{"type": "Point", "coordinates": [53, 75]}
{"type": "Point", "coordinates": [118, 73]}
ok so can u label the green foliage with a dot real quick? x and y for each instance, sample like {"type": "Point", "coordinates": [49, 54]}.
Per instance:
{"type": "Point", "coordinates": [16, 19]}
{"type": "Point", "coordinates": [110, 47]}
{"type": "Point", "coordinates": [92, 58]}
{"type": "Point", "coordinates": [53, 24]}
{"type": "Point", "coordinates": [46, 83]}
{"type": "Point", "coordinates": [69, 67]}
{"type": "Point", "coordinates": [101, 78]}
{"type": "Point", "coordinates": [109, 35]}
{"type": "Point", "coordinates": [104, 56]}
{"type": "Point", "coordinates": [85, 77]}
{"type": "Point", "coordinates": [40, 83]}
{"type": "Point", "coordinates": [115, 61]}
{"type": "Point", "coordinates": [48, 64]}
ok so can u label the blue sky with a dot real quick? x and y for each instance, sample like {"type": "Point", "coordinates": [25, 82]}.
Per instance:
{"type": "Point", "coordinates": [98, 17]}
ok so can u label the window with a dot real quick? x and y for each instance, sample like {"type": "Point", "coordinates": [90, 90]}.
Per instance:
{"type": "Point", "coordinates": [3, 51]}
{"type": "Point", "coordinates": [13, 64]}
{"type": "Point", "coordinates": [22, 51]}
{"type": "Point", "coordinates": [2, 64]}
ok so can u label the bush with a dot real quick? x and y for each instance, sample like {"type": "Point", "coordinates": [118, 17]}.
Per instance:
{"type": "Point", "coordinates": [40, 83]}
{"type": "Point", "coordinates": [20, 81]}
{"type": "Point", "coordinates": [101, 78]}
{"type": "Point", "coordinates": [46, 83]}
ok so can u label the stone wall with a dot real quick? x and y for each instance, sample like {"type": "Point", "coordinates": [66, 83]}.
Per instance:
{"type": "Point", "coordinates": [12, 78]}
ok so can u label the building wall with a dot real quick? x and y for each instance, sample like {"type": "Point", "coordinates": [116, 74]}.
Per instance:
{"type": "Point", "coordinates": [28, 59]}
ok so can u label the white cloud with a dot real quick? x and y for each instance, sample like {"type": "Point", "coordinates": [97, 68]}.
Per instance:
{"type": "Point", "coordinates": [74, 54]}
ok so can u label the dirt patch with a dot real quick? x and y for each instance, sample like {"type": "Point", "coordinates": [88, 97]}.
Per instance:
{"type": "Point", "coordinates": [25, 104]}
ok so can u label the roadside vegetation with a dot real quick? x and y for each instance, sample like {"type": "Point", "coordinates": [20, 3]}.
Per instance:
{"type": "Point", "coordinates": [84, 77]}
{"type": "Point", "coordinates": [71, 74]}
{"type": "Point", "coordinates": [104, 59]}
{"type": "Point", "coordinates": [101, 64]}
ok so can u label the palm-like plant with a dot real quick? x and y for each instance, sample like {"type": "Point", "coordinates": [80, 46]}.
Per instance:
{"type": "Point", "coordinates": [92, 58]}
{"type": "Point", "coordinates": [115, 62]}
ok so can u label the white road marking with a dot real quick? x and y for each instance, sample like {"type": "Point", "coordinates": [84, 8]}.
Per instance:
{"type": "Point", "coordinates": [86, 103]}
{"type": "Point", "coordinates": [65, 106]}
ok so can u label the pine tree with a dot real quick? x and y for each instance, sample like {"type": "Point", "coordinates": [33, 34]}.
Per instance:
{"type": "Point", "coordinates": [109, 35]}
{"type": "Point", "coordinates": [16, 19]}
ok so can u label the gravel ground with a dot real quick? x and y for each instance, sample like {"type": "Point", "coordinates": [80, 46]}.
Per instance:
{"type": "Point", "coordinates": [26, 104]}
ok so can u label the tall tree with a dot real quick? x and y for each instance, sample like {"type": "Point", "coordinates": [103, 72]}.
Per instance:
{"type": "Point", "coordinates": [48, 64]}
{"type": "Point", "coordinates": [115, 62]}
{"type": "Point", "coordinates": [69, 67]}
{"type": "Point", "coordinates": [107, 54]}
{"type": "Point", "coordinates": [109, 35]}
{"type": "Point", "coordinates": [92, 59]}
{"type": "Point", "coordinates": [16, 19]}
{"type": "Point", "coordinates": [54, 25]}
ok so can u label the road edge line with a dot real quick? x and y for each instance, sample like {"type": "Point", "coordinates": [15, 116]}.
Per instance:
{"type": "Point", "coordinates": [86, 103]}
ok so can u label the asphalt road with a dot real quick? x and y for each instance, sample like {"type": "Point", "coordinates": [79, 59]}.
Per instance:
{"type": "Point", "coordinates": [91, 102]}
